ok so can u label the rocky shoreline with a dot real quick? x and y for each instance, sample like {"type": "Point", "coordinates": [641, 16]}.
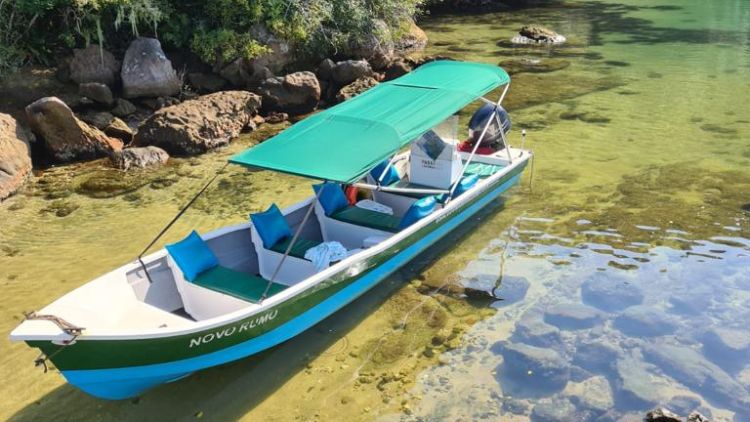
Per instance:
{"type": "Point", "coordinates": [139, 109]}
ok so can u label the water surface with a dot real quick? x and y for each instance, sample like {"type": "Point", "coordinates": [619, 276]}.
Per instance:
{"type": "Point", "coordinates": [616, 260]}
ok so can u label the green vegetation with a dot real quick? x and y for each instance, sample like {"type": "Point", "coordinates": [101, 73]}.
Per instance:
{"type": "Point", "coordinates": [218, 31]}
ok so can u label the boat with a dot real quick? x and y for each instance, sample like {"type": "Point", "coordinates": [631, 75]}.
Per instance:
{"type": "Point", "coordinates": [236, 291]}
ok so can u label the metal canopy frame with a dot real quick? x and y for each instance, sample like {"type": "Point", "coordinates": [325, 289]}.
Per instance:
{"type": "Point", "coordinates": [377, 187]}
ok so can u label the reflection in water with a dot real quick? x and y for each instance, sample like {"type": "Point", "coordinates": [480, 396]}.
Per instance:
{"type": "Point", "coordinates": [617, 280]}
{"type": "Point", "coordinates": [588, 339]}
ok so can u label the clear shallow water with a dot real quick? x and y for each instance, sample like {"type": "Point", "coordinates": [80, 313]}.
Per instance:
{"type": "Point", "coordinates": [635, 211]}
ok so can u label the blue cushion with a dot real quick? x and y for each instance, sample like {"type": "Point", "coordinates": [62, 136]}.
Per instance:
{"type": "Point", "coordinates": [419, 209]}
{"type": "Point", "coordinates": [271, 226]}
{"type": "Point", "coordinates": [192, 255]}
{"type": "Point", "coordinates": [391, 176]}
{"type": "Point", "coordinates": [332, 198]}
{"type": "Point", "coordinates": [465, 184]}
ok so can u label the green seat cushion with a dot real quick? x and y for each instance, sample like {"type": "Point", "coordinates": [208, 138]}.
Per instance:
{"type": "Point", "coordinates": [235, 283]}
{"type": "Point", "coordinates": [298, 250]}
{"type": "Point", "coordinates": [482, 170]}
{"type": "Point", "coordinates": [368, 218]}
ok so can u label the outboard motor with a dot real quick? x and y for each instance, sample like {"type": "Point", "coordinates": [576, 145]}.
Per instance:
{"type": "Point", "coordinates": [492, 139]}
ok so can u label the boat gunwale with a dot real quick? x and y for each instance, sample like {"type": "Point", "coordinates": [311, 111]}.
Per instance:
{"type": "Point", "coordinates": [288, 294]}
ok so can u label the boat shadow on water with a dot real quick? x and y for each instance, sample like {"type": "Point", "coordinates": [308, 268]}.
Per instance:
{"type": "Point", "coordinates": [230, 391]}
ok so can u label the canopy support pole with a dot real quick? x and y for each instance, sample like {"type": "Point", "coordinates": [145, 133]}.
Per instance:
{"type": "Point", "coordinates": [291, 244]}
{"type": "Point", "coordinates": [479, 141]}
{"type": "Point", "coordinates": [399, 190]}
{"type": "Point", "coordinates": [174, 220]}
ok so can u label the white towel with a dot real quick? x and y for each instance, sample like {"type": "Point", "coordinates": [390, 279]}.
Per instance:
{"type": "Point", "coordinates": [323, 254]}
{"type": "Point", "coordinates": [374, 206]}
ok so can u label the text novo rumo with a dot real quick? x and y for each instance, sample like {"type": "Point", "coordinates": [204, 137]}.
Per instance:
{"type": "Point", "coordinates": [234, 329]}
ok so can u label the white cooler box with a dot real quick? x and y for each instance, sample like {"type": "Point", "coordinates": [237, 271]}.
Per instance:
{"type": "Point", "coordinates": [438, 173]}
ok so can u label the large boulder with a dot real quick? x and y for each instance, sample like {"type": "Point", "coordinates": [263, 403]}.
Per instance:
{"type": "Point", "coordinates": [412, 40]}
{"type": "Point", "coordinates": [109, 124]}
{"type": "Point", "coordinates": [98, 92]}
{"type": "Point", "coordinates": [94, 64]}
{"type": "Point", "coordinates": [139, 157]}
{"type": "Point", "coordinates": [355, 88]}
{"type": "Point", "coordinates": [348, 71]}
{"type": "Point", "coordinates": [15, 155]}
{"type": "Point", "coordinates": [67, 138]}
{"type": "Point", "coordinates": [537, 34]}
{"type": "Point", "coordinates": [146, 71]}
{"type": "Point", "coordinates": [281, 54]}
{"type": "Point", "coordinates": [206, 82]}
{"type": "Point", "coordinates": [123, 108]}
{"type": "Point", "coordinates": [199, 125]}
{"type": "Point", "coordinates": [295, 93]}
{"type": "Point", "coordinates": [245, 73]}
{"type": "Point", "coordinates": [375, 46]}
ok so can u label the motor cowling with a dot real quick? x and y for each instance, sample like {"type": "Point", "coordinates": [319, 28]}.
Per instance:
{"type": "Point", "coordinates": [493, 138]}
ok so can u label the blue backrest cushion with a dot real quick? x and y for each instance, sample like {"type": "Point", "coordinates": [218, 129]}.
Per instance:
{"type": "Point", "coordinates": [192, 255]}
{"type": "Point", "coordinates": [465, 184]}
{"type": "Point", "coordinates": [419, 209]}
{"type": "Point", "coordinates": [271, 226]}
{"type": "Point", "coordinates": [391, 175]}
{"type": "Point", "coordinates": [331, 198]}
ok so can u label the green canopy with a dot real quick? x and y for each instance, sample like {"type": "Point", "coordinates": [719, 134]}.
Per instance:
{"type": "Point", "coordinates": [344, 142]}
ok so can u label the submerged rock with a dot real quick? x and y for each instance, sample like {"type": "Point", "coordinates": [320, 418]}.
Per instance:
{"type": "Point", "coordinates": [532, 329]}
{"type": "Point", "coordinates": [690, 368]}
{"type": "Point", "coordinates": [594, 394]}
{"type": "Point", "coordinates": [146, 71]}
{"type": "Point", "coordinates": [199, 125]}
{"type": "Point", "coordinates": [295, 93]}
{"type": "Point", "coordinates": [511, 290]}
{"type": "Point", "coordinates": [94, 64]}
{"type": "Point", "coordinates": [15, 155]}
{"type": "Point", "coordinates": [533, 65]}
{"type": "Point", "coordinates": [645, 321]}
{"type": "Point", "coordinates": [610, 293]}
{"type": "Point", "coordinates": [537, 34]}
{"type": "Point", "coordinates": [572, 316]}
{"type": "Point", "coordinates": [556, 409]}
{"type": "Point", "coordinates": [636, 385]}
{"type": "Point", "coordinates": [355, 88]}
{"type": "Point", "coordinates": [67, 138]}
{"type": "Point", "coordinates": [139, 157]}
{"type": "Point", "coordinates": [543, 368]}
{"type": "Point", "coordinates": [597, 355]}
{"type": "Point", "coordinates": [728, 347]}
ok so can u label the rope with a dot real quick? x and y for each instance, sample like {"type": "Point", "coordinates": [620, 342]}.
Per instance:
{"type": "Point", "coordinates": [68, 328]}
{"type": "Point", "coordinates": [176, 217]}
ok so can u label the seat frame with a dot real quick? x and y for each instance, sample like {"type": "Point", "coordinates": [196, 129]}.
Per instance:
{"type": "Point", "coordinates": [202, 303]}
{"type": "Point", "coordinates": [291, 272]}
